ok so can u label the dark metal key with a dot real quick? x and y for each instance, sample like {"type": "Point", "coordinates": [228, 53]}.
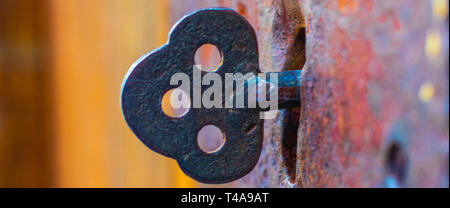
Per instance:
{"type": "Point", "coordinates": [149, 78]}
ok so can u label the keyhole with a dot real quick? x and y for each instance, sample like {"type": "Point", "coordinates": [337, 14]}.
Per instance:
{"type": "Point", "coordinates": [210, 139]}
{"type": "Point", "coordinates": [209, 57]}
{"type": "Point", "coordinates": [396, 162]}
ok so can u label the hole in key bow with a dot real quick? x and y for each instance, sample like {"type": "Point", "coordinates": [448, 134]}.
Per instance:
{"type": "Point", "coordinates": [175, 103]}
{"type": "Point", "coordinates": [209, 57]}
{"type": "Point", "coordinates": [210, 139]}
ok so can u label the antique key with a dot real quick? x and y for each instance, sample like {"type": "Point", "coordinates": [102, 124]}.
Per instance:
{"type": "Point", "coordinates": [149, 79]}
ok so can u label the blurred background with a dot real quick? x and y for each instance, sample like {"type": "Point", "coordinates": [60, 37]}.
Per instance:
{"type": "Point", "coordinates": [61, 67]}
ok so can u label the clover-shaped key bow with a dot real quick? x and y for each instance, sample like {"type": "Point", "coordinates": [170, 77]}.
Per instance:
{"type": "Point", "coordinates": [149, 78]}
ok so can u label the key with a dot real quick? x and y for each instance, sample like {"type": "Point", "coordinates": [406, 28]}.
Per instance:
{"type": "Point", "coordinates": [176, 137]}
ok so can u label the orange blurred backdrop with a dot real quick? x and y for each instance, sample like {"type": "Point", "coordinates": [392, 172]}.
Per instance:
{"type": "Point", "coordinates": [61, 67]}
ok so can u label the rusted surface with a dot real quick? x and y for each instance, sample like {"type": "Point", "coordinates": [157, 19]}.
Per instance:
{"type": "Point", "coordinates": [374, 91]}
{"type": "Point", "coordinates": [375, 103]}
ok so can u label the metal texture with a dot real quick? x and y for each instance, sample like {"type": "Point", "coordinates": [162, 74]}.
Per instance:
{"type": "Point", "coordinates": [374, 92]}
{"type": "Point", "coordinates": [375, 95]}
{"type": "Point", "coordinates": [148, 79]}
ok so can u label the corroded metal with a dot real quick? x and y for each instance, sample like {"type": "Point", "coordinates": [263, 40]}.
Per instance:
{"type": "Point", "coordinates": [365, 119]}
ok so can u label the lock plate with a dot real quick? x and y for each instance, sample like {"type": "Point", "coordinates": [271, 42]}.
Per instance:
{"type": "Point", "coordinates": [149, 79]}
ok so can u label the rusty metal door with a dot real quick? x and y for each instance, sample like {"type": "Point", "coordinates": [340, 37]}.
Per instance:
{"type": "Point", "coordinates": [374, 106]}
